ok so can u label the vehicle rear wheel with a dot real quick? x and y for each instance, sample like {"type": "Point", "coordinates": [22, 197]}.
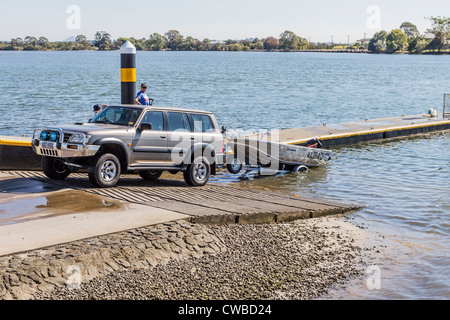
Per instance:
{"type": "Point", "coordinates": [197, 173]}
{"type": "Point", "coordinates": [54, 168]}
{"type": "Point", "coordinates": [105, 171]}
{"type": "Point", "coordinates": [151, 175]}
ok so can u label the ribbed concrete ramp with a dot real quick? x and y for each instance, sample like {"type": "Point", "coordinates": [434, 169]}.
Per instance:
{"type": "Point", "coordinates": [211, 204]}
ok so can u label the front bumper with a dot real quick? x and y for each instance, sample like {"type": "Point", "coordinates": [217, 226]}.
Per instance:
{"type": "Point", "coordinates": [63, 149]}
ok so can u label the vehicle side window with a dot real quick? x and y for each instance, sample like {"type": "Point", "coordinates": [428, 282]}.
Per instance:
{"type": "Point", "coordinates": [202, 123]}
{"type": "Point", "coordinates": [155, 118]}
{"type": "Point", "coordinates": [175, 121]}
{"type": "Point", "coordinates": [187, 124]}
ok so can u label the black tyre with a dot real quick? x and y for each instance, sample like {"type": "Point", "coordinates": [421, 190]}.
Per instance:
{"type": "Point", "coordinates": [197, 173]}
{"type": "Point", "coordinates": [151, 175]}
{"type": "Point", "coordinates": [105, 171]}
{"type": "Point", "coordinates": [235, 166]}
{"type": "Point", "coordinates": [299, 168]}
{"type": "Point", "coordinates": [54, 168]}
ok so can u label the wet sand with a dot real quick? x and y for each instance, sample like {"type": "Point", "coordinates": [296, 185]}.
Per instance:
{"type": "Point", "coordinates": [297, 260]}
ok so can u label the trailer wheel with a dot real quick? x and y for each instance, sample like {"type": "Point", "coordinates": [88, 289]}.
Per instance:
{"type": "Point", "coordinates": [235, 166]}
{"type": "Point", "coordinates": [300, 168]}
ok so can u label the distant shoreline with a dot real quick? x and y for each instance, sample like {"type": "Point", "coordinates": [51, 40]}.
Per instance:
{"type": "Point", "coordinates": [442, 52]}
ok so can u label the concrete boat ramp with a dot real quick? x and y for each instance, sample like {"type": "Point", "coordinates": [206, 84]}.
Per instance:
{"type": "Point", "coordinates": [38, 212]}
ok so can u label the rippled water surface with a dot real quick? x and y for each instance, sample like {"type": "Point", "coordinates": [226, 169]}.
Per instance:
{"type": "Point", "coordinates": [404, 182]}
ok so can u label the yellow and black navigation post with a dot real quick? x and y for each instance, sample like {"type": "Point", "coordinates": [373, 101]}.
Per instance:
{"type": "Point", "coordinates": [128, 72]}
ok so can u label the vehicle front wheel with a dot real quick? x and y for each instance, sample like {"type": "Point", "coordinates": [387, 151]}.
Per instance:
{"type": "Point", "coordinates": [54, 168]}
{"type": "Point", "coordinates": [197, 173]}
{"type": "Point", "coordinates": [151, 175]}
{"type": "Point", "coordinates": [105, 171]}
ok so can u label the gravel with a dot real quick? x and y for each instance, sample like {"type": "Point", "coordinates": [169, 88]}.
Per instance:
{"type": "Point", "coordinates": [298, 260]}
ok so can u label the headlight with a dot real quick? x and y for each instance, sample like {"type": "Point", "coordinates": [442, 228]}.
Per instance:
{"type": "Point", "coordinates": [53, 136]}
{"type": "Point", "coordinates": [78, 138]}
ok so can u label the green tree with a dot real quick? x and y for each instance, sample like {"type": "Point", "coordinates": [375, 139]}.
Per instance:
{"type": "Point", "coordinates": [16, 44]}
{"type": "Point", "coordinates": [409, 29]}
{"type": "Point", "coordinates": [440, 24]}
{"type": "Point", "coordinates": [119, 42]}
{"type": "Point", "coordinates": [156, 42]}
{"type": "Point", "coordinates": [81, 41]}
{"type": "Point", "coordinates": [302, 43]}
{"type": "Point", "coordinates": [174, 38]}
{"type": "Point", "coordinates": [206, 44]}
{"type": "Point", "coordinates": [229, 41]}
{"type": "Point", "coordinates": [217, 47]}
{"type": "Point", "coordinates": [43, 42]}
{"type": "Point", "coordinates": [30, 43]}
{"type": "Point", "coordinates": [102, 40]}
{"type": "Point", "coordinates": [417, 44]}
{"type": "Point", "coordinates": [271, 44]}
{"type": "Point", "coordinates": [378, 42]}
{"type": "Point", "coordinates": [439, 41]}
{"type": "Point", "coordinates": [259, 45]}
{"type": "Point", "coordinates": [190, 44]}
{"type": "Point", "coordinates": [140, 44]}
{"type": "Point", "coordinates": [246, 43]}
{"type": "Point", "coordinates": [396, 41]}
{"type": "Point", "coordinates": [237, 46]}
{"type": "Point", "coordinates": [288, 41]}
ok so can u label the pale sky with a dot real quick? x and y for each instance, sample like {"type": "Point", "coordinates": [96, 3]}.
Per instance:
{"type": "Point", "coordinates": [214, 19]}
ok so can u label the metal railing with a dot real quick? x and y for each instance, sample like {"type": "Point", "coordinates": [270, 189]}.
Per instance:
{"type": "Point", "coordinates": [446, 108]}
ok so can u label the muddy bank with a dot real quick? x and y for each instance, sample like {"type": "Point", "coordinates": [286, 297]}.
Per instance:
{"type": "Point", "coordinates": [296, 260]}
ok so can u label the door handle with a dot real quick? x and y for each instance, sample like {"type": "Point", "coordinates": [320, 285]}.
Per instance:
{"type": "Point", "coordinates": [162, 137]}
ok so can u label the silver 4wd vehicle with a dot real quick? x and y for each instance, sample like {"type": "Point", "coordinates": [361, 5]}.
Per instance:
{"type": "Point", "coordinates": [132, 138]}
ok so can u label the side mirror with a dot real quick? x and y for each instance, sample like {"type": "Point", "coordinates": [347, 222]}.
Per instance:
{"type": "Point", "coordinates": [223, 130]}
{"type": "Point", "coordinates": [146, 126]}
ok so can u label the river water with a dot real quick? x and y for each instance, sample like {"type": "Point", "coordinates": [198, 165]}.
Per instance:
{"type": "Point", "coordinates": [404, 183]}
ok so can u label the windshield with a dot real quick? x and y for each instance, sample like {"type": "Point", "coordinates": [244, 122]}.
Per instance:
{"type": "Point", "coordinates": [118, 115]}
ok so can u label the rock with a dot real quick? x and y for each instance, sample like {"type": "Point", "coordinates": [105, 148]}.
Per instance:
{"type": "Point", "coordinates": [113, 265]}
{"type": "Point", "coordinates": [54, 272]}
{"type": "Point", "coordinates": [57, 281]}
{"type": "Point", "coordinates": [13, 280]}
{"type": "Point", "coordinates": [152, 261]}
{"type": "Point", "coordinates": [190, 240]}
{"type": "Point", "coordinates": [36, 278]}
{"type": "Point", "coordinates": [2, 289]}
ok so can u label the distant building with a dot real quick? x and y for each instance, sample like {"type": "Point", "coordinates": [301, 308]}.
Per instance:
{"type": "Point", "coordinates": [428, 36]}
{"type": "Point", "coordinates": [364, 40]}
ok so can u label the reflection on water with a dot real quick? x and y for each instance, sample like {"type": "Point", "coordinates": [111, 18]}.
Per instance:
{"type": "Point", "coordinates": [55, 204]}
{"type": "Point", "coordinates": [406, 187]}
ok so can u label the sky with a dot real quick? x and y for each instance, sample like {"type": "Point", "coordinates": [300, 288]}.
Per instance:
{"type": "Point", "coordinates": [316, 20]}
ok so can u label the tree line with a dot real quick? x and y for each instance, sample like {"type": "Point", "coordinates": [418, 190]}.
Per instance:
{"type": "Point", "coordinates": [407, 37]}
{"type": "Point", "coordinates": [171, 40]}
